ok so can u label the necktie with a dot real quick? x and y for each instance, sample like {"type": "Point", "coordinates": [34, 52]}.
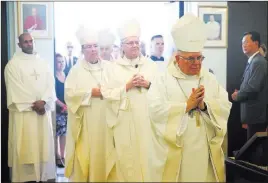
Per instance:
{"type": "Point", "coordinates": [247, 67]}
{"type": "Point", "coordinates": [245, 70]}
{"type": "Point", "coordinates": [70, 61]}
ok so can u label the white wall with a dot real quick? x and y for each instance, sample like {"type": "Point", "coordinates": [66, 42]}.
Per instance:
{"type": "Point", "coordinates": [44, 47]}
{"type": "Point", "coordinates": [216, 58]}
{"type": "Point", "coordinates": [64, 32]}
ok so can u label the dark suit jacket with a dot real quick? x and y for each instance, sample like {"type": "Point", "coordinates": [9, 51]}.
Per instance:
{"type": "Point", "coordinates": [253, 92]}
{"type": "Point", "coordinates": [68, 67]}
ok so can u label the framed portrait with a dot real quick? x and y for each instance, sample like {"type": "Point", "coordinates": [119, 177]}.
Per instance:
{"type": "Point", "coordinates": [34, 17]}
{"type": "Point", "coordinates": [216, 21]}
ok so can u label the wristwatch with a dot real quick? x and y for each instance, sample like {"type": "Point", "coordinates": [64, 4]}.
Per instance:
{"type": "Point", "coordinates": [205, 109]}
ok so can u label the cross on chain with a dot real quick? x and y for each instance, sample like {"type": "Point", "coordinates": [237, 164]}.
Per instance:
{"type": "Point", "coordinates": [35, 74]}
{"type": "Point", "coordinates": [101, 97]}
{"type": "Point", "coordinates": [194, 112]}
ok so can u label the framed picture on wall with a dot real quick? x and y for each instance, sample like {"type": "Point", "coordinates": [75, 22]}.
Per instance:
{"type": "Point", "coordinates": [216, 20]}
{"type": "Point", "coordinates": [34, 17]}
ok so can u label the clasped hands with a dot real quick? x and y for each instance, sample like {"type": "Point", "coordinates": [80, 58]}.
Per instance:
{"type": "Point", "coordinates": [137, 81]}
{"type": "Point", "coordinates": [96, 92]}
{"type": "Point", "coordinates": [39, 107]}
{"type": "Point", "coordinates": [196, 99]}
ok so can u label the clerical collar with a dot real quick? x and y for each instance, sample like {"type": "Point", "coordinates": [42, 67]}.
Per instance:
{"type": "Point", "coordinates": [154, 58]}
{"type": "Point", "coordinates": [25, 56]}
{"type": "Point", "coordinates": [93, 63]}
{"type": "Point", "coordinates": [92, 66]}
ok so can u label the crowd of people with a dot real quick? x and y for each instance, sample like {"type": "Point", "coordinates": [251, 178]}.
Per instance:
{"type": "Point", "coordinates": [108, 50]}
{"type": "Point", "coordinates": [123, 115]}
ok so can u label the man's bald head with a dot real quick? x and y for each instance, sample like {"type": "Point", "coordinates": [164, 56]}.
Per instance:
{"type": "Point", "coordinates": [21, 37]}
{"type": "Point", "coordinates": [26, 43]}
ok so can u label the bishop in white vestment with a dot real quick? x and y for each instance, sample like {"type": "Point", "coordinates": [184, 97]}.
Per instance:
{"type": "Point", "coordinates": [189, 112]}
{"type": "Point", "coordinates": [30, 99]}
{"type": "Point", "coordinates": [125, 85]}
{"type": "Point", "coordinates": [85, 145]}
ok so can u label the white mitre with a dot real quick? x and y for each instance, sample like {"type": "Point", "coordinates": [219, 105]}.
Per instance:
{"type": "Point", "coordinates": [106, 38]}
{"type": "Point", "coordinates": [189, 33]}
{"type": "Point", "coordinates": [129, 28]}
{"type": "Point", "coordinates": [86, 36]}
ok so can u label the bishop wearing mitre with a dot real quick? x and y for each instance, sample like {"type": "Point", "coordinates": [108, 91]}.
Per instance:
{"type": "Point", "coordinates": [30, 99]}
{"type": "Point", "coordinates": [189, 110]}
{"type": "Point", "coordinates": [85, 142]}
{"type": "Point", "coordinates": [125, 85]}
{"type": "Point", "coordinates": [106, 41]}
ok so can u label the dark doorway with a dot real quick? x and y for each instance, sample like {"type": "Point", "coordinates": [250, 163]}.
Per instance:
{"type": "Point", "coordinates": [242, 17]}
{"type": "Point", "coordinates": [4, 111]}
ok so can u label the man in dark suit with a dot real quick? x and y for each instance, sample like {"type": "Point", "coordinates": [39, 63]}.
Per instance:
{"type": "Point", "coordinates": [253, 90]}
{"type": "Point", "coordinates": [69, 59]}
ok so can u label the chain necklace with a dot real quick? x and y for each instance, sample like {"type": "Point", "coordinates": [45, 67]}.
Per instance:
{"type": "Point", "coordinates": [193, 112]}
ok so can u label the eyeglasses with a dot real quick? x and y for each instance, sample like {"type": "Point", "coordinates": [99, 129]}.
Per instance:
{"type": "Point", "coordinates": [131, 43]}
{"type": "Point", "coordinates": [192, 59]}
{"type": "Point", "coordinates": [86, 46]}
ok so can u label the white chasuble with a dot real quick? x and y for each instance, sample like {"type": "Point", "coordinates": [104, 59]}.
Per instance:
{"type": "Point", "coordinates": [127, 117]}
{"type": "Point", "coordinates": [31, 143]}
{"type": "Point", "coordinates": [86, 128]}
{"type": "Point", "coordinates": [183, 150]}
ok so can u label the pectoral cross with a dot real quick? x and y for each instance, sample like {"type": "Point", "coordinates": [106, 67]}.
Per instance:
{"type": "Point", "coordinates": [101, 97]}
{"type": "Point", "coordinates": [35, 74]}
{"type": "Point", "coordinates": [197, 118]}
{"type": "Point", "coordinates": [139, 89]}
{"type": "Point", "coordinates": [195, 113]}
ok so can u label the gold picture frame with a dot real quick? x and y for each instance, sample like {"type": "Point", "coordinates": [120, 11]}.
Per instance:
{"type": "Point", "coordinates": [35, 17]}
{"type": "Point", "coordinates": [216, 19]}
